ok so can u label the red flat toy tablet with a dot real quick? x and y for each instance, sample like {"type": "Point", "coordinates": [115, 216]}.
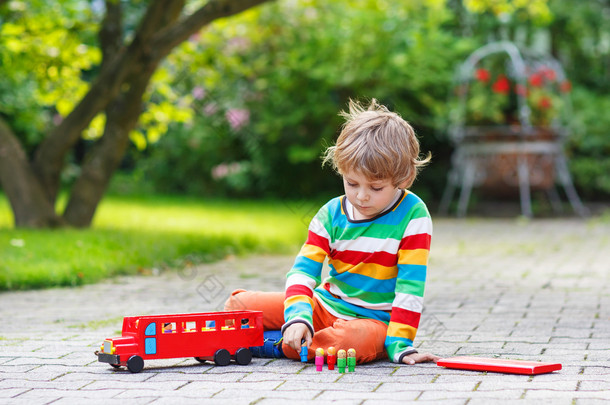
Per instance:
{"type": "Point", "coordinates": [499, 365]}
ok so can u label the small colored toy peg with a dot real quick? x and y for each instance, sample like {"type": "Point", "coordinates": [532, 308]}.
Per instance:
{"type": "Point", "coordinates": [319, 359]}
{"type": "Point", "coordinates": [304, 351]}
{"type": "Point", "coordinates": [331, 357]}
{"type": "Point", "coordinates": [351, 360]}
{"type": "Point", "coordinates": [341, 360]}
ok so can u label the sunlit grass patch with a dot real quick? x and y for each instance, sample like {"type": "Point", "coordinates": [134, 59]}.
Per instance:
{"type": "Point", "coordinates": [134, 234]}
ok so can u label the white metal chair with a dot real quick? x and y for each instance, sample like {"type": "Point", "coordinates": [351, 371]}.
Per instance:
{"type": "Point", "coordinates": [533, 152]}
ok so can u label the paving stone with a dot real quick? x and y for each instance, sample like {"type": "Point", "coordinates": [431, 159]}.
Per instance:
{"type": "Point", "coordinates": [595, 385]}
{"type": "Point", "coordinates": [6, 393]}
{"type": "Point", "coordinates": [75, 376]}
{"type": "Point", "coordinates": [90, 401]}
{"type": "Point", "coordinates": [489, 396]}
{"type": "Point", "coordinates": [39, 384]}
{"type": "Point", "coordinates": [74, 394]}
{"type": "Point", "coordinates": [537, 401]}
{"type": "Point", "coordinates": [245, 386]}
{"type": "Point", "coordinates": [150, 396]}
{"type": "Point", "coordinates": [443, 401]}
{"type": "Point", "coordinates": [342, 394]}
{"type": "Point", "coordinates": [525, 383]}
{"type": "Point", "coordinates": [31, 401]}
{"type": "Point", "coordinates": [590, 401]}
{"type": "Point", "coordinates": [451, 386]}
{"type": "Point", "coordinates": [279, 401]}
{"type": "Point", "coordinates": [551, 394]}
{"type": "Point", "coordinates": [531, 290]}
{"type": "Point", "coordinates": [210, 377]}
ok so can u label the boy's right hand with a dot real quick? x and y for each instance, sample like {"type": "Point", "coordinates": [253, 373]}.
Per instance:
{"type": "Point", "coordinates": [294, 335]}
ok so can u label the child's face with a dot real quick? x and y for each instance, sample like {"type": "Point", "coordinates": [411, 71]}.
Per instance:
{"type": "Point", "coordinates": [369, 197]}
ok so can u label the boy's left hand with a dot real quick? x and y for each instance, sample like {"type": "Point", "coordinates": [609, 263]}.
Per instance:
{"type": "Point", "coordinates": [419, 358]}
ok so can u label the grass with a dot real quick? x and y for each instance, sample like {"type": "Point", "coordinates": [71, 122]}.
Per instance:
{"type": "Point", "coordinates": [132, 235]}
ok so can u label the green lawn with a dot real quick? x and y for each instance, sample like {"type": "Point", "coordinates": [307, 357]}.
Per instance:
{"type": "Point", "coordinates": [133, 235]}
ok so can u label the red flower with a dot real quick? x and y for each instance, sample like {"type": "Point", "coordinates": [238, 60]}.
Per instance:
{"type": "Point", "coordinates": [545, 103]}
{"type": "Point", "coordinates": [537, 80]}
{"type": "Point", "coordinates": [502, 85]}
{"type": "Point", "coordinates": [565, 86]}
{"type": "Point", "coordinates": [482, 75]}
{"type": "Point", "coordinates": [549, 74]}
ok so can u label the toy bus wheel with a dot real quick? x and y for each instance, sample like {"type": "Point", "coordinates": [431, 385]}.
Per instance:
{"type": "Point", "coordinates": [222, 357]}
{"type": "Point", "coordinates": [135, 364]}
{"type": "Point", "coordinates": [243, 356]}
{"type": "Point", "coordinates": [116, 365]}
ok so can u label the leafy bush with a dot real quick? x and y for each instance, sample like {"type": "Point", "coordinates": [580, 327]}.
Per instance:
{"type": "Point", "coordinates": [589, 145]}
{"type": "Point", "coordinates": [43, 50]}
{"type": "Point", "coordinates": [269, 86]}
{"type": "Point", "coordinates": [246, 107]}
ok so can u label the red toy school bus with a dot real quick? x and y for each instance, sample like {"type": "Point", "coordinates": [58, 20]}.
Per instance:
{"type": "Point", "coordinates": [216, 336]}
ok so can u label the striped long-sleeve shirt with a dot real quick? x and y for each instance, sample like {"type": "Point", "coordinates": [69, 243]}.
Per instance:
{"type": "Point", "coordinates": [377, 269]}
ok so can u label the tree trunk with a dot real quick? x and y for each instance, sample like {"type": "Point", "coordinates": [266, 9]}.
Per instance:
{"type": "Point", "coordinates": [102, 161]}
{"type": "Point", "coordinates": [121, 114]}
{"type": "Point", "coordinates": [28, 201]}
{"type": "Point", "coordinates": [50, 155]}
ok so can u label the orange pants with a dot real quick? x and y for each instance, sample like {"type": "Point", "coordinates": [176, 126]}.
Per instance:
{"type": "Point", "coordinates": [366, 336]}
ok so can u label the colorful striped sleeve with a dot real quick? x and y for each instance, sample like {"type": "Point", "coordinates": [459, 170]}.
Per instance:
{"type": "Point", "coordinates": [409, 292]}
{"type": "Point", "coordinates": [305, 274]}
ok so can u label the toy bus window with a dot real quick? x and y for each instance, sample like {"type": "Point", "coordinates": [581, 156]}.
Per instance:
{"type": "Point", "coordinates": [229, 324]}
{"type": "Point", "coordinates": [245, 323]}
{"type": "Point", "coordinates": [150, 345]}
{"type": "Point", "coordinates": [189, 327]}
{"type": "Point", "coordinates": [209, 326]}
{"type": "Point", "coordinates": [151, 329]}
{"type": "Point", "coordinates": [169, 327]}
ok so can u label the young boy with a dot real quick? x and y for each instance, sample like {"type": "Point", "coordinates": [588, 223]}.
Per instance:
{"type": "Point", "coordinates": [376, 239]}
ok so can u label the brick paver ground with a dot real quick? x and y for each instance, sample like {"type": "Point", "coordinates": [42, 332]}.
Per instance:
{"type": "Point", "coordinates": [531, 290]}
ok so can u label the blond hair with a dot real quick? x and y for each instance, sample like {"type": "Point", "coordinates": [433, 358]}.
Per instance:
{"type": "Point", "coordinates": [378, 143]}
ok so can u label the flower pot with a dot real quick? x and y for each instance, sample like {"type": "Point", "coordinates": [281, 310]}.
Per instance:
{"type": "Point", "coordinates": [505, 150]}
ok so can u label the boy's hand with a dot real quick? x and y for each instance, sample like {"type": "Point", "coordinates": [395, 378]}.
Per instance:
{"type": "Point", "coordinates": [295, 333]}
{"type": "Point", "coordinates": [419, 358]}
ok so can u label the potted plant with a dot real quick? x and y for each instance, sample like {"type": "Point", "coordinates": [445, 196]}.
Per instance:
{"type": "Point", "coordinates": [493, 97]}
{"type": "Point", "coordinates": [507, 124]}
{"type": "Point", "coordinates": [508, 99]}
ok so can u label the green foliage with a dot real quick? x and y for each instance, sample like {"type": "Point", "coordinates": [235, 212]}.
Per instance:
{"type": "Point", "coordinates": [164, 106]}
{"type": "Point", "coordinates": [580, 35]}
{"type": "Point", "coordinates": [537, 10]}
{"type": "Point", "coordinates": [45, 48]}
{"type": "Point", "coordinates": [246, 107]}
{"type": "Point", "coordinates": [133, 235]}
{"type": "Point", "coordinates": [291, 67]}
{"type": "Point", "coordinates": [49, 53]}
{"type": "Point", "coordinates": [590, 144]}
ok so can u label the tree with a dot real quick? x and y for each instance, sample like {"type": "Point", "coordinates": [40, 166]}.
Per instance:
{"type": "Point", "coordinates": [32, 180]}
